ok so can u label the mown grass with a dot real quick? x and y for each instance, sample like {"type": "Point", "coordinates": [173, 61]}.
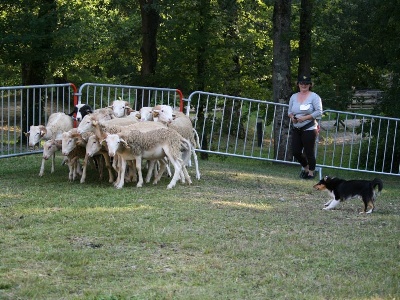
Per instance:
{"type": "Point", "coordinates": [247, 230]}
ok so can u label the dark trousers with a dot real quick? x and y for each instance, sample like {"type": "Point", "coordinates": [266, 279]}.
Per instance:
{"type": "Point", "coordinates": [303, 146]}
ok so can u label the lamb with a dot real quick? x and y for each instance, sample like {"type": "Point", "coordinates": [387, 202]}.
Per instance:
{"type": "Point", "coordinates": [93, 149]}
{"type": "Point", "coordinates": [146, 140]}
{"type": "Point", "coordinates": [72, 140]}
{"type": "Point", "coordinates": [50, 148]}
{"type": "Point", "coordinates": [56, 124]}
{"type": "Point", "coordinates": [120, 108]}
{"type": "Point", "coordinates": [183, 125]}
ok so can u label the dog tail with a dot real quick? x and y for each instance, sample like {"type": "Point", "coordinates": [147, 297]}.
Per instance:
{"type": "Point", "coordinates": [377, 182]}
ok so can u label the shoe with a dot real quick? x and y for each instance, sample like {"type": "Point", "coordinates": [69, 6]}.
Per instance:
{"type": "Point", "coordinates": [302, 174]}
{"type": "Point", "coordinates": [308, 176]}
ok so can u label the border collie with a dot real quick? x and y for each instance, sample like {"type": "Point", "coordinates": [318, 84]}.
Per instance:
{"type": "Point", "coordinates": [81, 110]}
{"type": "Point", "coordinates": [342, 190]}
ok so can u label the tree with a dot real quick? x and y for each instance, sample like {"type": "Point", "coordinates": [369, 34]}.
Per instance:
{"type": "Point", "coordinates": [150, 23]}
{"type": "Point", "coordinates": [281, 72]}
{"type": "Point", "coordinates": [306, 9]}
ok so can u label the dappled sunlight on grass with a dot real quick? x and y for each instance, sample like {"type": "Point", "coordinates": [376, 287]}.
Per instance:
{"type": "Point", "coordinates": [260, 206]}
{"type": "Point", "coordinates": [89, 210]}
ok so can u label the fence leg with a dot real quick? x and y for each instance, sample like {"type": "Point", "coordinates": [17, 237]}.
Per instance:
{"type": "Point", "coordinates": [259, 132]}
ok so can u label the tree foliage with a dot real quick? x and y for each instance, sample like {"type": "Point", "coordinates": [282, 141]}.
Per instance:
{"type": "Point", "coordinates": [218, 45]}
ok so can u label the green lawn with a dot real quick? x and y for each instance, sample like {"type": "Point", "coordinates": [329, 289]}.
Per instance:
{"type": "Point", "coordinates": [247, 230]}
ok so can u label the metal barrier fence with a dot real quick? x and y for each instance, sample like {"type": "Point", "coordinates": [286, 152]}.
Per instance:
{"type": "Point", "coordinates": [102, 95]}
{"type": "Point", "coordinates": [23, 106]}
{"type": "Point", "coordinates": [249, 128]}
{"type": "Point", "coordinates": [227, 125]}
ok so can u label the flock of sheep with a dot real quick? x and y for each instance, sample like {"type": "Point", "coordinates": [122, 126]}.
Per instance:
{"type": "Point", "coordinates": [119, 139]}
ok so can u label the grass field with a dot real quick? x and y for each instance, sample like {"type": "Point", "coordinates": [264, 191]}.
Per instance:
{"type": "Point", "coordinates": [247, 230]}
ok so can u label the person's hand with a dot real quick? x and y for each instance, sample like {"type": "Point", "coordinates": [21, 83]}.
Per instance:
{"type": "Point", "coordinates": [301, 119]}
{"type": "Point", "coordinates": [294, 119]}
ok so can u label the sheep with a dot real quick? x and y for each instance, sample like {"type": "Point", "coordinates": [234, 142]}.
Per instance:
{"type": "Point", "coordinates": [146, 113]}
{"type": "Point", "coordinates": [56, 124]}
{"type": "Point", "coordinates": [146, 140]}
{"type": "Point", "coordinates": [93, 149]}
{"type": "Point", "coordinates": [72, 140]}
{"type": "Point", "coordinates": [120, 108]}
{"type": "Point", "coordinates": [183, 125]}
{"type": "Point", "coordinates": [80, 111]}
{"type": "Point", "coordinates": [114, 125]}
{"type": "Point", "coordinates": [49, 150]}
{"type": "Point", "coordinates": [91, 123]}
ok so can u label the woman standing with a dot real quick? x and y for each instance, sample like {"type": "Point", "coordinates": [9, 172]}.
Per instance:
{"type": "Point", "coordinates": [305, 107]}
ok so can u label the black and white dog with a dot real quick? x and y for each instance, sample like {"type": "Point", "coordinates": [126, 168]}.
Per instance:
{"type": "Point", "coordinates": [342, 190]}
{"type": "Point", "coordinates": [81, 110]}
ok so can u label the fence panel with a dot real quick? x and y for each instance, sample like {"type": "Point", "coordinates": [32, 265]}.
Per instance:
{"type": "Point", "coordinates": [359, 142]}
{"type": "Point", "coordinates": [102, 95]}
{"type": "Point", "coordinates": [242, 127]}
{"type": "Point", "coordinates": [23, 106]}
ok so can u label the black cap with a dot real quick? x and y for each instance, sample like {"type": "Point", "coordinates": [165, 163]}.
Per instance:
{"type": "Point", "coordinates": [304, 79]}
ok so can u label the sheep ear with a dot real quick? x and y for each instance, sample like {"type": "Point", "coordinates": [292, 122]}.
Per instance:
{"type": "Point", "coordinates": [124, 143]}
{"type": "Point", "coordinates": [42, 131]}
{"type": "Point", "coordinates": [156, 113]}
{"type": "Point", "coordinates": [27, 134]}
{"type": "Point", "coordinates": [95, 122]}
{"type": "Point", "coordinates": [103, 143]}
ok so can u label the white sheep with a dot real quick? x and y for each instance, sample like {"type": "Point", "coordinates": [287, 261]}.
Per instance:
{"type": "Point", "coordinates": [147, 140]}
{"type": "Point", "coordinates": [93, 149]}
{"type": "Point", "coordinates": [183, 125]}
{"type": "Point", "coordinates": [120, 108]}
{"type": "Point", "coordinates": [146, 113]}
{"type": "Point", "coordinates": [90, 122]}
{"type": "Point", "coordinates": [56, 124]}
{"type": "Point", "coordinates": [72, 140]}
{"type": "Point", "coordinates": [50, 147]}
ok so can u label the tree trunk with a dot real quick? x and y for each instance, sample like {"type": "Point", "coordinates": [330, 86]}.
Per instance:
{"type": "Point", "coordinates": [203, 30]}
{"type": "Point", "coordinates": [34, 67]}
{"type": "Point", "coordinates": [305, 37]}
{"type": "Point", "coordinates": [281, 74]}
{"type": "Point", "coordinates": [150, 23]}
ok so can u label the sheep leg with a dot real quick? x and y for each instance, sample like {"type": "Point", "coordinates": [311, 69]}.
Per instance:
{"type": "Point", "coordinates": [163, 166]}
{"type": "Point", "coordinates": [139, 171]}
{"type": "Point", "coordinates": [177, 173]}
{"type": "Point", "coordinates": [150, 170]}
{"type": "Point", "coordinates": [186, 176]}
{"type": "Point", "coordinates": [196, 163]}
{"type": "Point", "coordinates": [177, 163]}
{"type": "Point", "coordinates": [41, 172]}
{"type": "Point", "coordinates": [109, 167]}
{"type": "Point", "coordinates": [53, 158]}
{"type": "Point", "coordinates": [116, 164]}
{"type": "Point", "coordinates": [132, 171]}
{"type": "Point", "coordinates": [85, 163]}
{"type": "Point", "coordinates": [121, 172]}
{"type": "Point", "coordinates": [100, 165]}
